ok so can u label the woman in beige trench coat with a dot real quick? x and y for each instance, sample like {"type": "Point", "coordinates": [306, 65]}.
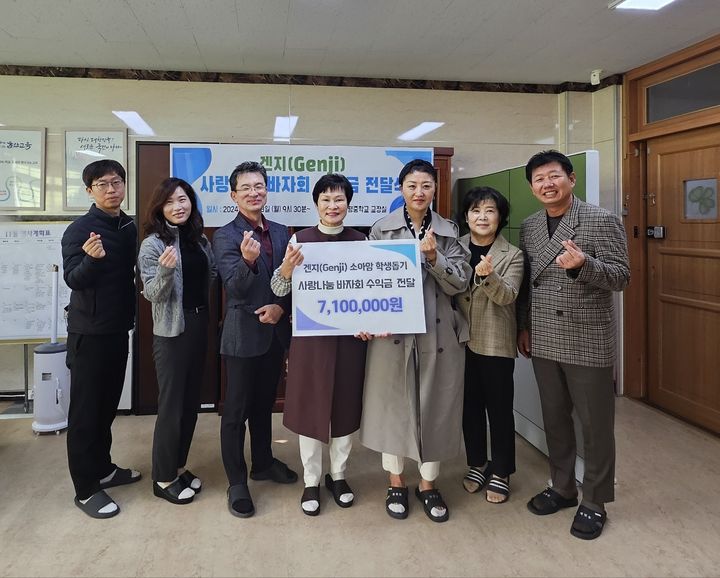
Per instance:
{"type": "Point", "coordinates": [412, 402]}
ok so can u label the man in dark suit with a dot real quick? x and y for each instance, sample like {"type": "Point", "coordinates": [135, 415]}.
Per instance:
{"type": "Point", "coordinates": [576, 256]}
{"type": "Point", "coordinates": [256, 333]}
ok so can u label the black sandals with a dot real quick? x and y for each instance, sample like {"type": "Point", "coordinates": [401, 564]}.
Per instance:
{"type": "Point", "coordinates": [278, 472]}
{"type": "Point", "coordinates": [588, 524]}
{"type": "Point", "coordinates": [96, 503]}
{"type": "Point", "coordinates": [310, 494]}
{"type": "Point", "coordinates": [431, 499]}
{"type": "Point", "coordinates": [121, 477]}
{"type": "Point", "coordinates": [477, 476]}
{"type": "Point", "coordinates": [399, 497]}
{"type": "Point", "coordinates": [548, 502]}
{"type": "Point", "coordinates": [499, 486]}
{"type": "Point", "coordinates": [172, 492]}
{"type": "Point", "coordinates": [240, 503]}
{"type": "Point", "coordinates": [187, 478]}
{"type": "Point", "coordinates": [337, 489]}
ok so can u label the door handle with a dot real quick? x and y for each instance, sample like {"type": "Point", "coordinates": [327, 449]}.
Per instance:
{"type": "Point", "coordinates": [655, 232]}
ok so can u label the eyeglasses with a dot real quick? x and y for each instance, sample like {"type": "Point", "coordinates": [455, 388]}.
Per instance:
{"type": "Point", "coordinates": [103, 187]}
{"type": "Point", "coordinates": [553, 179]}
{"type": "Point", "coordinates": [257, 187]}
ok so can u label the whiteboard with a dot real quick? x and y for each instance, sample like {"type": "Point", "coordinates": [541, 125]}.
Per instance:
{"type": "Point", "coordinates": [27, 253]}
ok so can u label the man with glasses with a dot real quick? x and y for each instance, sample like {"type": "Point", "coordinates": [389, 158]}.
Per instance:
{"type": "Point", "coordinates": [99, 250]}
{"type": "Point", "coordinates": [256, 333]}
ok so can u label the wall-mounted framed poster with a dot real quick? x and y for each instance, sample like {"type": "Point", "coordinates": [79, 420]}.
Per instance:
{"type": "Point", "coordinates": [22, 168]}
{"type": "Point", "coordinates": [83, 147]}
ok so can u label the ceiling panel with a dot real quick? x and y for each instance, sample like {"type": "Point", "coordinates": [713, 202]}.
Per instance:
{"type": "Point", "coordinates": [113, 20]}
{"type": "Point", "coordinates": [41, 20]}
{"type": "Point", "coordinates": [536, 41]}
{"type": "Point", "coordinates": [217, 19]}
{"type": "Point", "coordinates": [172, 27]}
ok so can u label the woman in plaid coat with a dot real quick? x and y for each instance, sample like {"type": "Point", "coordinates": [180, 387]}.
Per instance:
{"type": "Point", "coordinates": [489, 305]}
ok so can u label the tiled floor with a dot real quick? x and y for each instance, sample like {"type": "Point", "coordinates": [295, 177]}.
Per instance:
{"type": "Point", "coordinates": [665, 522]}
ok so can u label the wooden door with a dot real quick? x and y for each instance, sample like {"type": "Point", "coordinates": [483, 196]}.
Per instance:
{"type": "Point", "coordinates": [684, 275]}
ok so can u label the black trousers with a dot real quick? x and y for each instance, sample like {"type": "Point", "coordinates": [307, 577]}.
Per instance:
{"type": "Point", "coordinates": [179, 365]}
{"type": "Point", "coordinates": [489, 389]}
{"type": "Point", "coordinates": [249, 396]}
{"type": "Point", "coordinates": [591, 392]}
{"type": "Point", "coordinates": [97, 372]}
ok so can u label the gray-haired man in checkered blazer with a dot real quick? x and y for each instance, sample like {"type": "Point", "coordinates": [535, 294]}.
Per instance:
{"type": "Point", "coordinates": [576, 256]}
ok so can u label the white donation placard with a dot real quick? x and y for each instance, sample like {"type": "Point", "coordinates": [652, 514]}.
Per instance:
{"type": "Point", "coordinates": [345, 287]}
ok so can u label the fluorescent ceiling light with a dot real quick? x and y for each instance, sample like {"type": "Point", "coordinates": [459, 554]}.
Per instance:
{"type": "Point", "coordinates": [134, 121]}
{"type": "Point", "coordinates": [90, 154]}
{"type": "Point", "coordinates": [639, 4]}
{"type": "Point", "coordinates": [422, 129]}
{"type": "Point", "coordinates": [284, 127]}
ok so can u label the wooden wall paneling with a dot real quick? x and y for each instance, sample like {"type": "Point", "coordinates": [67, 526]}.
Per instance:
{"type": "Point", "coordinates": [153, 165]}
{"type": "Point", "coordinates": [635, 295]}
{"type": "Point", "coordinates": [443, 163]}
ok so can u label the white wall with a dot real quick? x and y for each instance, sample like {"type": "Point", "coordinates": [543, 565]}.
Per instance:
{"type": "Point", "coordinates": [488, 130]}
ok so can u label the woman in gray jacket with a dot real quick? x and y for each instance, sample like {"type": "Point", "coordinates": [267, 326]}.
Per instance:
{"type": "Point", "coordinates": [177, 268]}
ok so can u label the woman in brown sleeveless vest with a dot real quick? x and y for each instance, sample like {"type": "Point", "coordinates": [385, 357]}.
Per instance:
{"type": "Point", "coordinates": [323, 397]}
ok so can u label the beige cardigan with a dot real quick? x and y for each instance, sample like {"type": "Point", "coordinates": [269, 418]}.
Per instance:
{"type": "Point", "coordinates": [489, 304]}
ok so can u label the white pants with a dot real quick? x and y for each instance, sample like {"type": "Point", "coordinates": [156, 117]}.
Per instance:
{"type": "Point", "coordinates": [429, 471]}
{"type": "Point", "coordinates": [311, 456]}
